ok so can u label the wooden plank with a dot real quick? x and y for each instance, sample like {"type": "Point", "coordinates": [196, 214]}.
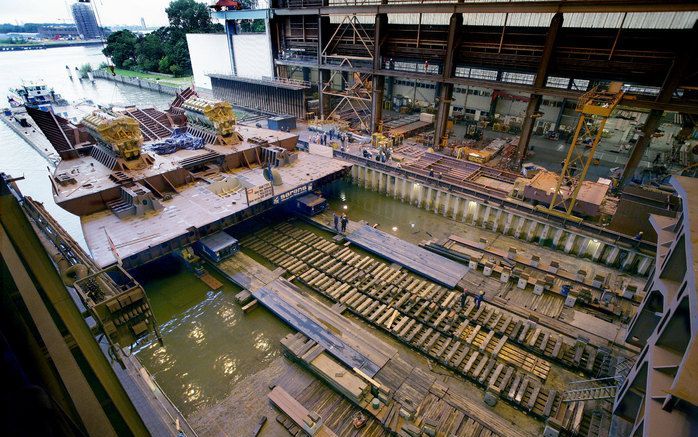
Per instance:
{"type": "Point", "coordinates": [471, 361]}
{"type": "Point", "coordinates": [297, 412]}
{"type": "Point", "coordinates": [495, 375]}
{"type": "Point", "coordinates": [486, 371]}
{"type": "Point", "coordinates": [414, 258]}
{"type": "Point", "coordinates": [522, 390]}
{"type": "Point", "coordinates": [549, 403]}
{"type": "Point", "coordinates": [461, 356]}
{"type": "Point", "coordinates": [310, 317]}
{"type": "Point", "coordinates": [486, 341]}
{"type": "Point", "coordinates": [480, 366]}
{"type": "Point", "coordinates": [505, 380]}
{"type": "Point", "coordinates": [500, 345]}
{"type": "Point", "coordinates": [534, 396]}
{"type": "Point", "coordinates": [557, 347]}
{"type": "Point", "coordinates": [454, 348]}
{"type": "Point", "coordinates": [473, 334]}
{"type": "Point", "coordinates": [514, 386]}
{"type": "Point", "coordinates": [250, 306]}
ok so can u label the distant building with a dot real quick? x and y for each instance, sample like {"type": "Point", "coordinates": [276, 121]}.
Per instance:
{"type": "Point", "coordinates": [143, 23]}
{"type": "Point", "coordinates": [85, 21]}
{"type": "Point", "coordinates": [51, 32]}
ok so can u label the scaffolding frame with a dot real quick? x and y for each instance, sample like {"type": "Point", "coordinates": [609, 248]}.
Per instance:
{"type": "Point", "coordinates": [595, 106]}
{"type": "Point", "coordinates": [355, 95]}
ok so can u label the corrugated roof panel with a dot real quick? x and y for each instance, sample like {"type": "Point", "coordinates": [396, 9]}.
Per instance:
{"type": "Point", "coordinates": [413, 19]}
{"type": "Point", "coordinates": [529, 20]}
{"type": "Point", "coordinates": [436, 18]}
{"type": "Point", "coordinates": [403, 18]}
{"type": "Point", "coordinates": [363, 19]}
{"type": "Point", "coordinates": [483, 19]}
{"type": "Point", "coordinates": [634, 20]}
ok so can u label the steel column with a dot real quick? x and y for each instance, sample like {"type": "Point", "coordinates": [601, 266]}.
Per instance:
{"type": "Point", "coordinates": [673, 80]}
{"type": "Point", "coordinates": [381, 23]}
{"type": "Point", "coordinates": [648, 129]}
{"type": "Point", "coordinates": [323, 75]}
{"type": "Point", "coordinates": [229, 32]}
{"type": "Point", "coordinates": [449, 68]}
{"type": "Point", "coordinates": [560, 114]}
{"type": "Point", "coordinates": [539, 82]}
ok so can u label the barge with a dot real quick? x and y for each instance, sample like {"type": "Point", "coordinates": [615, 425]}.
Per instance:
{"type": "Point", "coordinates": [147, 182]}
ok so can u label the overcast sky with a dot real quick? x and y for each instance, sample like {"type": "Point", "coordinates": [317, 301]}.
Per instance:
{"type": "Point", "coordinates": [111, 12]}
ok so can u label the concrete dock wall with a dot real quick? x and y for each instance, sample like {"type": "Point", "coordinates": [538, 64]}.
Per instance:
{"type": "Point", "coordinates": [495, 216]}
{"type": "Point", "coordinates": [136, 81]}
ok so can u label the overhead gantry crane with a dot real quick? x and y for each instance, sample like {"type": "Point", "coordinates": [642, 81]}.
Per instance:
{"type": "Point", "coordinates": [594, 107]}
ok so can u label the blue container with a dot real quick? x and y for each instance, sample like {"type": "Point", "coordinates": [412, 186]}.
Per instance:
{"type": "Point", "coordinates": [285, 122]}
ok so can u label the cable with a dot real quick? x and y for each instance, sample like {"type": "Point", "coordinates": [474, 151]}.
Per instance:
{"type": "Point", "coordinates": [103, 37]}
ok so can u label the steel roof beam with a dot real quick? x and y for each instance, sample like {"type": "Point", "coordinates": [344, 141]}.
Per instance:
{"type": "Point", "coordinates": [529, 7]}
{"type": "Point", "coordinates": [629, 100]}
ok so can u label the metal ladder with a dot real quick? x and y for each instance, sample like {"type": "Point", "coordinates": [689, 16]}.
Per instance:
{"type": "Point", "coordinates": [623, 367]}
{"type": "Point", "coordinates": [591, 389]}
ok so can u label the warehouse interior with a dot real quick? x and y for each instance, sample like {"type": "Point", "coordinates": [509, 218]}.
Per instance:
{"type": "Point", "coordinates": [411, 218]}
{"type": "Point", "coordinates": [586, 99]}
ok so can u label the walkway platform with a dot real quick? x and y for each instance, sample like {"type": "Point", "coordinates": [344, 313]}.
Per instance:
{"type": "Point", "coordinates": [340, 337]}
{"type": "Point", "coordinates": [429, 397]}
{"type": "Point", "coordinates": [421, 261]}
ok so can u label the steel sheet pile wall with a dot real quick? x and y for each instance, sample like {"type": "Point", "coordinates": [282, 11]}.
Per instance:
{"type": "Point", "coordinates": [260, 96]}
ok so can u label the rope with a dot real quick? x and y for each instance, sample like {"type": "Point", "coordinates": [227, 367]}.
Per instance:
{"type": "Point", "coordinates": [101, 32]}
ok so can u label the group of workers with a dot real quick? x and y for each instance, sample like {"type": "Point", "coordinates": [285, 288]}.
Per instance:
{"type": "Point", "coordinates": [322, 137]}
{"type": "Point", "coordinates": [340, 222]}
{"type": "Point", "coordinates": [479, 298]}
{"type": "Point", "coordinates": [381, 155]}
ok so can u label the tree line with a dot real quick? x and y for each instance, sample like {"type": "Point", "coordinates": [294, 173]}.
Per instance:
{"type": "Point", "coordinates": [165, 49]}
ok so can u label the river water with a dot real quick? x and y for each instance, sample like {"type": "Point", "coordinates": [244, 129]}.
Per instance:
{"type": "Point", "coordinates": [17, 158]}
{"type": "Point", "coordinates": [209, 344]}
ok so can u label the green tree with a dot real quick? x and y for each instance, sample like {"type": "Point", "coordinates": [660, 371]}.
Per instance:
{"type": "Point", "coordinates": [164, 64]}
{"type": "Point", "coordinates": [174, 44]}
{"type": "Point", "coordinates": [149, 51]}
{"type": "Point", "coordinates": [84, 69]}
{"type": "Point", "coordinates": [176, 70]}
{"type": "Point", "coordinates": [165, 49]}
{"type": "Point", "coordinates": [121, 47]}
{"type": "Point", "coordinates": [190, 16]}
{"type": "Point", "coordinates": [252, 26]}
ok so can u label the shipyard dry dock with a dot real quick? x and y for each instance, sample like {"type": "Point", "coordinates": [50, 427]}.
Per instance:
{"type": "Point", "coordinates": [198, 208]}
{"type": "Point", "coordinates": [471, 332]}
{"type": "Point", "coordinates": [146, 182]}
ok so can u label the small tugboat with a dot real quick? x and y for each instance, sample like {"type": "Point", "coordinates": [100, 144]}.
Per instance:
{"type": "Point", "coordinates": [37, 95]}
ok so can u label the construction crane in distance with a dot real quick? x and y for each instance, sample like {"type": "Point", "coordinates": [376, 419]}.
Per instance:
{"type": "Point", "coordinates": [594, 107]}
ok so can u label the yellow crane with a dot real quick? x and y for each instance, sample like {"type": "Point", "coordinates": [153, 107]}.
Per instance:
{"type": "Point", "coordinates": [594, 108]}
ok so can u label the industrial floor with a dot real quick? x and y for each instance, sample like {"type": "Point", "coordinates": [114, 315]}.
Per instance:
{"type": "Point", "coordinates": [613, 150]}
{"type": "Point", "coordinates": [417, 225]}
{"type": "Point", "coordinates": [556, 377]}
{"type": "Point", "coordinates": [284, 375]}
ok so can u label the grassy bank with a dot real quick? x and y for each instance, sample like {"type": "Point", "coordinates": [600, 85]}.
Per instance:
{"type": "Point", "coordinates": [165, 80]}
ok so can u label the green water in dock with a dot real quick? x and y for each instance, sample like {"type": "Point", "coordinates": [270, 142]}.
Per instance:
{"type": "Point", "coordinates": [393, 216]}
{"type": "Point", "coordinates": [210, 345]}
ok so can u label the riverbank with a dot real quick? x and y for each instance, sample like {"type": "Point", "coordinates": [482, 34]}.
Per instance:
{"type": "Point", "coordinates": [164, 79]}
{"type": "Point", "coordinates": [149, 84]}
{"type": "Point", "coordinates": [47, 45]}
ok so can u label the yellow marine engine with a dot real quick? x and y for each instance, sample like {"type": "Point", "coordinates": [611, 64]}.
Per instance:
{"type": "Point", "coordinates": [217, 115]}
{"type": "Point", "coordinates": [121, 133]}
